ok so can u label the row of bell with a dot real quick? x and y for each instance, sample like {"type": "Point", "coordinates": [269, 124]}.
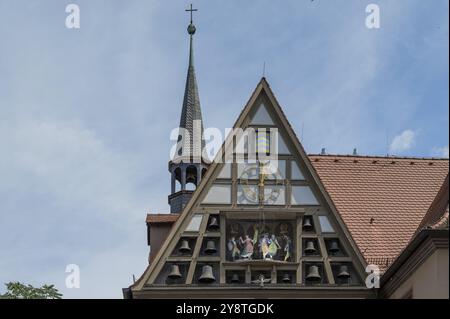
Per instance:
{"type": "Point", "coordinates": [314, 275]}
{"type": "Point", "coordinates": [210, 245]}
{"type": "Point", "coordinates": [311, 249]}
{"type": "Point", "coordinates": [206, 276]}
{"type": "Point", "coordinates": [210, 248]}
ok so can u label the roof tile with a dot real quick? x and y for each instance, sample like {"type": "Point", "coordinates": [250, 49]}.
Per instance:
{"type": "Point", "coordinates": [396, 196]}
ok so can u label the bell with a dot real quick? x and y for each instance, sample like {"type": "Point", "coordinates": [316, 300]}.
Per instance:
{"type": "Point", "coordinates": [310, 249]}
{"type": "Point", "coordinates": [343, 272]}
{"type": "Point", "coordinates": [213, 224]}
{"type": "Point", "coordinates": [334, 247]}
{"type": "Point", "coordinates": [207, 275]}
{"type": "Point", "coordinates": [313, 274]}
{"type": "Point", "coordinates": [210, 247]}
{"type": "Point", "coordinates": [235, 278]}
{"type": "Point", "coordinates": [174, 272]}
{"type": "Point", "coordinates": [307, 225]}
{"type": "Point", "coordinates": [286, 278]}
{"type": "Point", "coordinates": [184, 247]}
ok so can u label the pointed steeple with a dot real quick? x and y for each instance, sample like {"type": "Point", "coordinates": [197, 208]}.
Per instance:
{"type": "Point", "coordinates": [188, 164]}
{"type": "Point", "coordinates": [191, 114]}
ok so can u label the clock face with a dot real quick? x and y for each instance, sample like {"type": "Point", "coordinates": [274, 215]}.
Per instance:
{"type": "Point", "coordinates": [251, 171]}
{"type": "Point", "coordinates": [250, 191]}
{"type": "Point", "coordinates": [271, 195]}
{"type": "Point", "coordinates": [262, 172]}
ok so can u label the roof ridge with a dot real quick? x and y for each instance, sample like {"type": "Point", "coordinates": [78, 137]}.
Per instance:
{"type": "Point", "coordinates": [381, 157]}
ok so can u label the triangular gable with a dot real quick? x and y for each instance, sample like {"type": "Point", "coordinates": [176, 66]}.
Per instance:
{"type": "Point", "coordinates": [217, 197]}
{"type": "Point", "coordinates": [261, 116]}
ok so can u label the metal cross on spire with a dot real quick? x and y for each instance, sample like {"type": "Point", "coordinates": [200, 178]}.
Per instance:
{"type": "Point", "coordinates": [191, 10]}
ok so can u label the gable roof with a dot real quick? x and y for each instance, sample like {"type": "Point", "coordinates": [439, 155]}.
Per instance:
{"type": "Point", "coordinates": [381, 199]}
{"type": "Point", "coordinates": [262, 88]}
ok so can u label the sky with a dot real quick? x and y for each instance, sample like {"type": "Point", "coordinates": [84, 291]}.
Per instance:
{"type": "Point", "coordinates": [86, 114]}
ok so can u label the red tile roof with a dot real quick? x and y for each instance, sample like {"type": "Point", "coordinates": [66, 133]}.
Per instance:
{"type": "Point", "coordinates": [382, 200]}
{"type": "Point", "coordinates": [437, 215]}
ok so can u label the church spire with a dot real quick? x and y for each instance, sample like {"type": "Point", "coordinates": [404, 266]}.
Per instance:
{"type": "Point", "coordinates": [191, 114]}
{"type": "Point", "coordinates": [188, 165]}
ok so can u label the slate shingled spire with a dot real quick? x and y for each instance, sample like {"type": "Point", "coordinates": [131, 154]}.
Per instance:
{"type": "Point", "coordinates": [188, 165]}
{"type": "Point", "coordinates": [191, 111]}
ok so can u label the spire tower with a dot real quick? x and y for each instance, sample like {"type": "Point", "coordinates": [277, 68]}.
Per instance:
{"type": "Point", "coordinates": [188, 165]}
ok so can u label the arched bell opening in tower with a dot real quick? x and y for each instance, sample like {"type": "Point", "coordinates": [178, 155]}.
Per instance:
{"type": "Point", "coordinates": [313, 274]}
{"type": "Point", "coordinates": [210, 248]}
{"type": "Point", "coordinates": [207, 275]}
{"type": "Point", "coordinates": [310, 247]}
{"type": "Point", "coordinates": [213, 223]}
{"type": "Point", "coordinates": [308, 225]}
{"type": "Point", "coordinates": [191, 178]}
{"type": "Point", "coordinates": [176, 180]}
{"type": "Point", "coordinates": [185, 177]}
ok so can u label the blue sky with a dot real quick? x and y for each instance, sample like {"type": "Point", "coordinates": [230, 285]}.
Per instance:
{"type": "Point", "coordinates": [85, 115]}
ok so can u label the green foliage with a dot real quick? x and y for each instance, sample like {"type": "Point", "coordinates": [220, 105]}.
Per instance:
{"type": "Point", "coordinates": [17, 290]}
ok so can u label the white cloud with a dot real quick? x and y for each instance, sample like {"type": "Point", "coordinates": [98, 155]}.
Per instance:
{"type": "Point", "coordinates": [78, 199]}
{"type": "Point", "coordinates": [402, 142]}
{"type": "Point", "coordinates": [441, 152]}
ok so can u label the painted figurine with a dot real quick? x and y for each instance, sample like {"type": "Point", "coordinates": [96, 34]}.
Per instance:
{"type": "Point", "coordinates": [273, 247]}
{"type": "Point", "coordinates": [233, 248]}
{"type": "Point", "coordinates": [287, 248]}
{"type": "Point", "coordinates": [255, 234]}
{"type": "Point", "coordinates": [247, 250]}
{"type": "Point", "coordinates": [264, 246]}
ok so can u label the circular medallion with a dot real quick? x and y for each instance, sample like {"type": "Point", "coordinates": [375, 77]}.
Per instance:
{"type": "Point", "coordinates": [262, 172]}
